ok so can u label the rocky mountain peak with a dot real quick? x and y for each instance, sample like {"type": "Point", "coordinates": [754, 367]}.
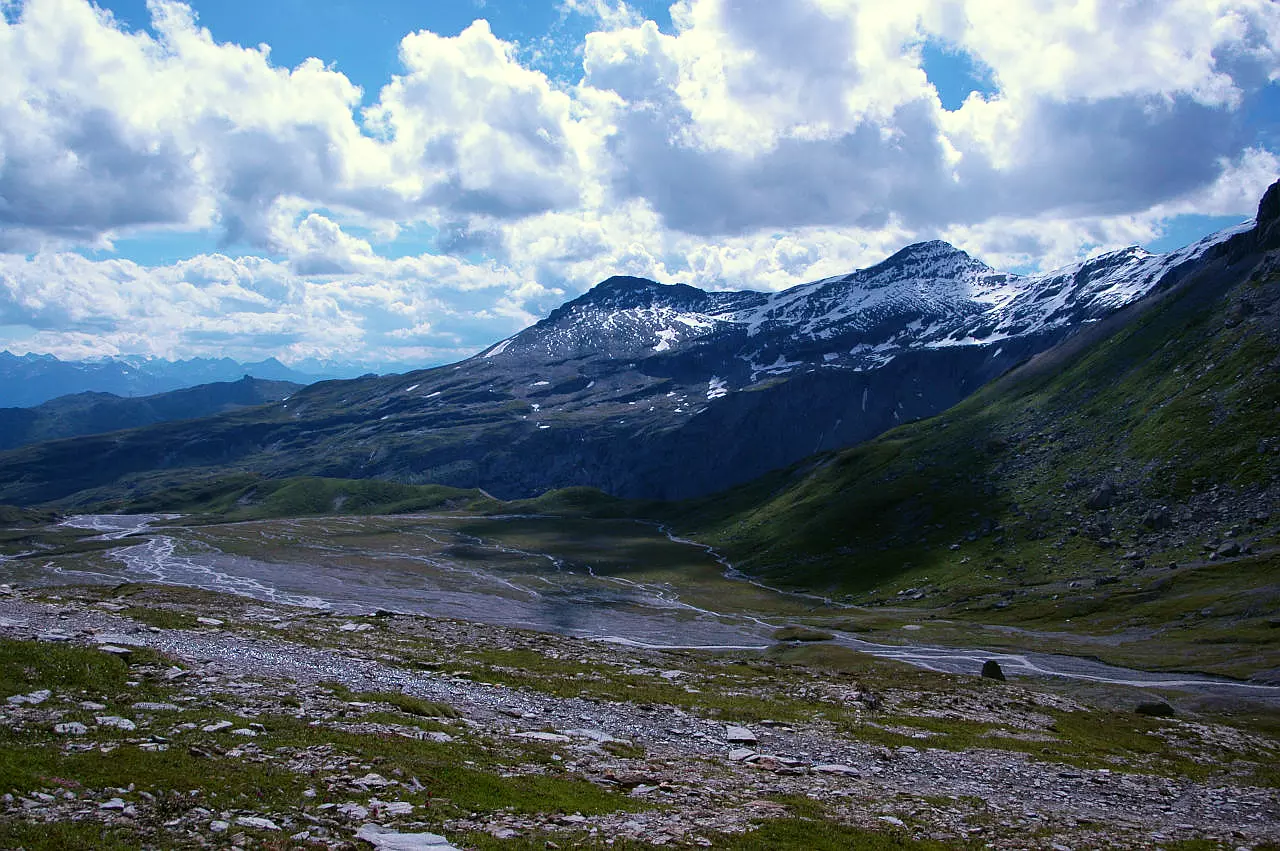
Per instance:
{"type": "Point", "coordinates": [624, 283]}
{"type": "Point", "coordinates": [932, 252]}
{"type": "Point", "coordinates": [624, 292]}
{"type": "Point", "coordinates": [1268, 221]}
{"type": "Point", "coordinates": [1269, 207]}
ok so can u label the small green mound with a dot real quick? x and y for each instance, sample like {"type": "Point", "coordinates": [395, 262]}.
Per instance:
{"type": "Point", "coordinates": [576, 502]}
{"type": "Point", "coordinates": [12, 515]}
{"type": "Point", "coordinates": [801, 633]}
{"type": "Point", "coordinates": [406, 703]}
{"type": "Point", "coordinates": [242, 496]}
{"type": "Point", "coordinates": [27, 665]}
{"type": "Point", "coordinates": [411, 705]}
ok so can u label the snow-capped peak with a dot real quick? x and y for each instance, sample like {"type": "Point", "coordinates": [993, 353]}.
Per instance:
{"type": "Point", "coordinates": [927, 295]}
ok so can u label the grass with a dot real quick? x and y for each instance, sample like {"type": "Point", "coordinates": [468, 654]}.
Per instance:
{"type": "Point", "coordinates": [161, 618]}
{"type": "Point", "coordinates": [459, 777]}
{"type": "Point", "coordinates": [452, 785]}
{"type": "Point", "coordinates": [801, 633]}
{"type": "Point", "coordinates": [816, 835]}
{"type": "Point", "coordinates": [1118, 740]}
{"type": "Point", "coordinates": [729, 692]}
{"type": "Point", "coordinates": [70, 836]}
{"type": "Point", "coordinates": [27, 666]}
{"type": "Point", "coordinates": [31, 761]}
{"type": "Point", "coordinates": [767, 835]}
{"type": "Point", "coordinates": [246, 496]}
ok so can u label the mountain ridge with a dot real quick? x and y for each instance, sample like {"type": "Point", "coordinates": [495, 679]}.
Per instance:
{"type": "Point", "coordinates": [646, 390]}
{"type": "Point", "coordinates": [1122, 486]}
{"type": "Point", "coordinates": [33, 379]}
{"type": "Point", "coordinates": [94, 412]}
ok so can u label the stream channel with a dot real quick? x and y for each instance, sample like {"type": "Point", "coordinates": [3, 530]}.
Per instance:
{"type": "Point", "coordinates": [550, 598]}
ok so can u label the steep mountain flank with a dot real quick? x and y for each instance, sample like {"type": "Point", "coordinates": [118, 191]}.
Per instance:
{"type": "Point", "coordinates": [1135, 465]}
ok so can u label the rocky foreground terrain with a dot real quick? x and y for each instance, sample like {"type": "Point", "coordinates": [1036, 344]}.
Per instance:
{"type": "Point", "coordinates": [141, 716]}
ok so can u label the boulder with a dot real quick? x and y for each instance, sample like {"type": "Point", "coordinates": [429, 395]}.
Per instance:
{"type": "Point", "coordinates": [1155, 709]}
{"type": "Point", "coordinates": [1102, 497]}
{"type": "Point", "coordinates": [992, 671]}
{"type": "Point", "coordinates": [34, 698]}
{"type": "Point", "coordinates": [389, 840]}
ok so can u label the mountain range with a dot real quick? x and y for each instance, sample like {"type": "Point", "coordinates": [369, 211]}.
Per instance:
{"type": "Point", "coordinates": [94, 412]}
{"type": "Point", "coordinates": [32, 379]}
{"type": "Point", "coordinates": [1116, 495]}
{"type": "Point", "coordinates": [645, 390]}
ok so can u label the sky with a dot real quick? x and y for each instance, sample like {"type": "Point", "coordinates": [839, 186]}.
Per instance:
{"type": "Point", "coordinates": [393, 184]}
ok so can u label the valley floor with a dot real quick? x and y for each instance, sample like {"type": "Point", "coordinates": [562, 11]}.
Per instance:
{"type": "Point", "coordinates": [151, 716]}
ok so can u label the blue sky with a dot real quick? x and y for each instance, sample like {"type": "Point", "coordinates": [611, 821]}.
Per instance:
{"type": "Point", "coordinates": [167, 188]}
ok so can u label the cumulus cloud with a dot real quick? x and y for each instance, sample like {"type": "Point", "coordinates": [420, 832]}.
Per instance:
{"type": "Point", "coordinates": [803, 113]}
{"type": "Point", "coordinates": [244, 307]}
{"type": "Point", "coordinates": [103, 131]}
{"type": "Point", "coordinates": [749, 145]}
{"type": "Point", "coordinates": [485, 134]}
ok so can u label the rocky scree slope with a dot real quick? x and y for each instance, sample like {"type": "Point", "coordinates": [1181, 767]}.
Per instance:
{"type": "Point", "coordinates": [651, 391]}
{"type": "Point", "coordinates": [130, 715]}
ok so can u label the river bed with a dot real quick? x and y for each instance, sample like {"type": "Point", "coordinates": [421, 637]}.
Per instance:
{"type": "Point", "coordinates": [431, 567]}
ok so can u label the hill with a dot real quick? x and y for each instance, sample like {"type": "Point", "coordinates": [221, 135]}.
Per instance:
{"type": "Point", "coordinates": [95, 413]}
{"type": "Point", "coordinates": [32, 379]}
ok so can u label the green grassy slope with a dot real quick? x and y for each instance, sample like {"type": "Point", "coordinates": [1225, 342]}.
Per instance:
{"type": "Point", "coordinates": [231, 496]}
{"type": "Point", "coordinates": [1139, 444]}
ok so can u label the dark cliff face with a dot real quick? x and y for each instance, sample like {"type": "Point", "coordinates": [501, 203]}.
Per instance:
{"type": "Point", "coordinates": [649, 390]}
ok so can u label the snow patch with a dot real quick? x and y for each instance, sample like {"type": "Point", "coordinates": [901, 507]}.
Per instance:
{"type": "Point", "coordinates": [716, 388]}
{"type": "Point", "coordinates": [498, 349]}
{"type": "Point", "coordinates": [665, 338]}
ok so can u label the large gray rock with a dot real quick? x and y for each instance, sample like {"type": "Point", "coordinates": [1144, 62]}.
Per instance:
{"type": "Point", "coordinates": [1157, 518]}
{"type": "Point", "coordinates": [390, 840]}
{"type": "Point", "coordinates": [1102, 497]}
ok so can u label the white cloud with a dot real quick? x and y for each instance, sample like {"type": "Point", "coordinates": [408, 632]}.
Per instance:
{"type": "Point", "coordinates": [484, 134]}
{"type": "Point", "coordinates": [610, 14]}
{"type": "Point", "coordinates": [245, 307]}
{"type": "Point", "coordinates": [754, 145]}
{"type": "Point", "coordinates": [103, 131]}
{"type": "Point", "coordinates": [818, 113]}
